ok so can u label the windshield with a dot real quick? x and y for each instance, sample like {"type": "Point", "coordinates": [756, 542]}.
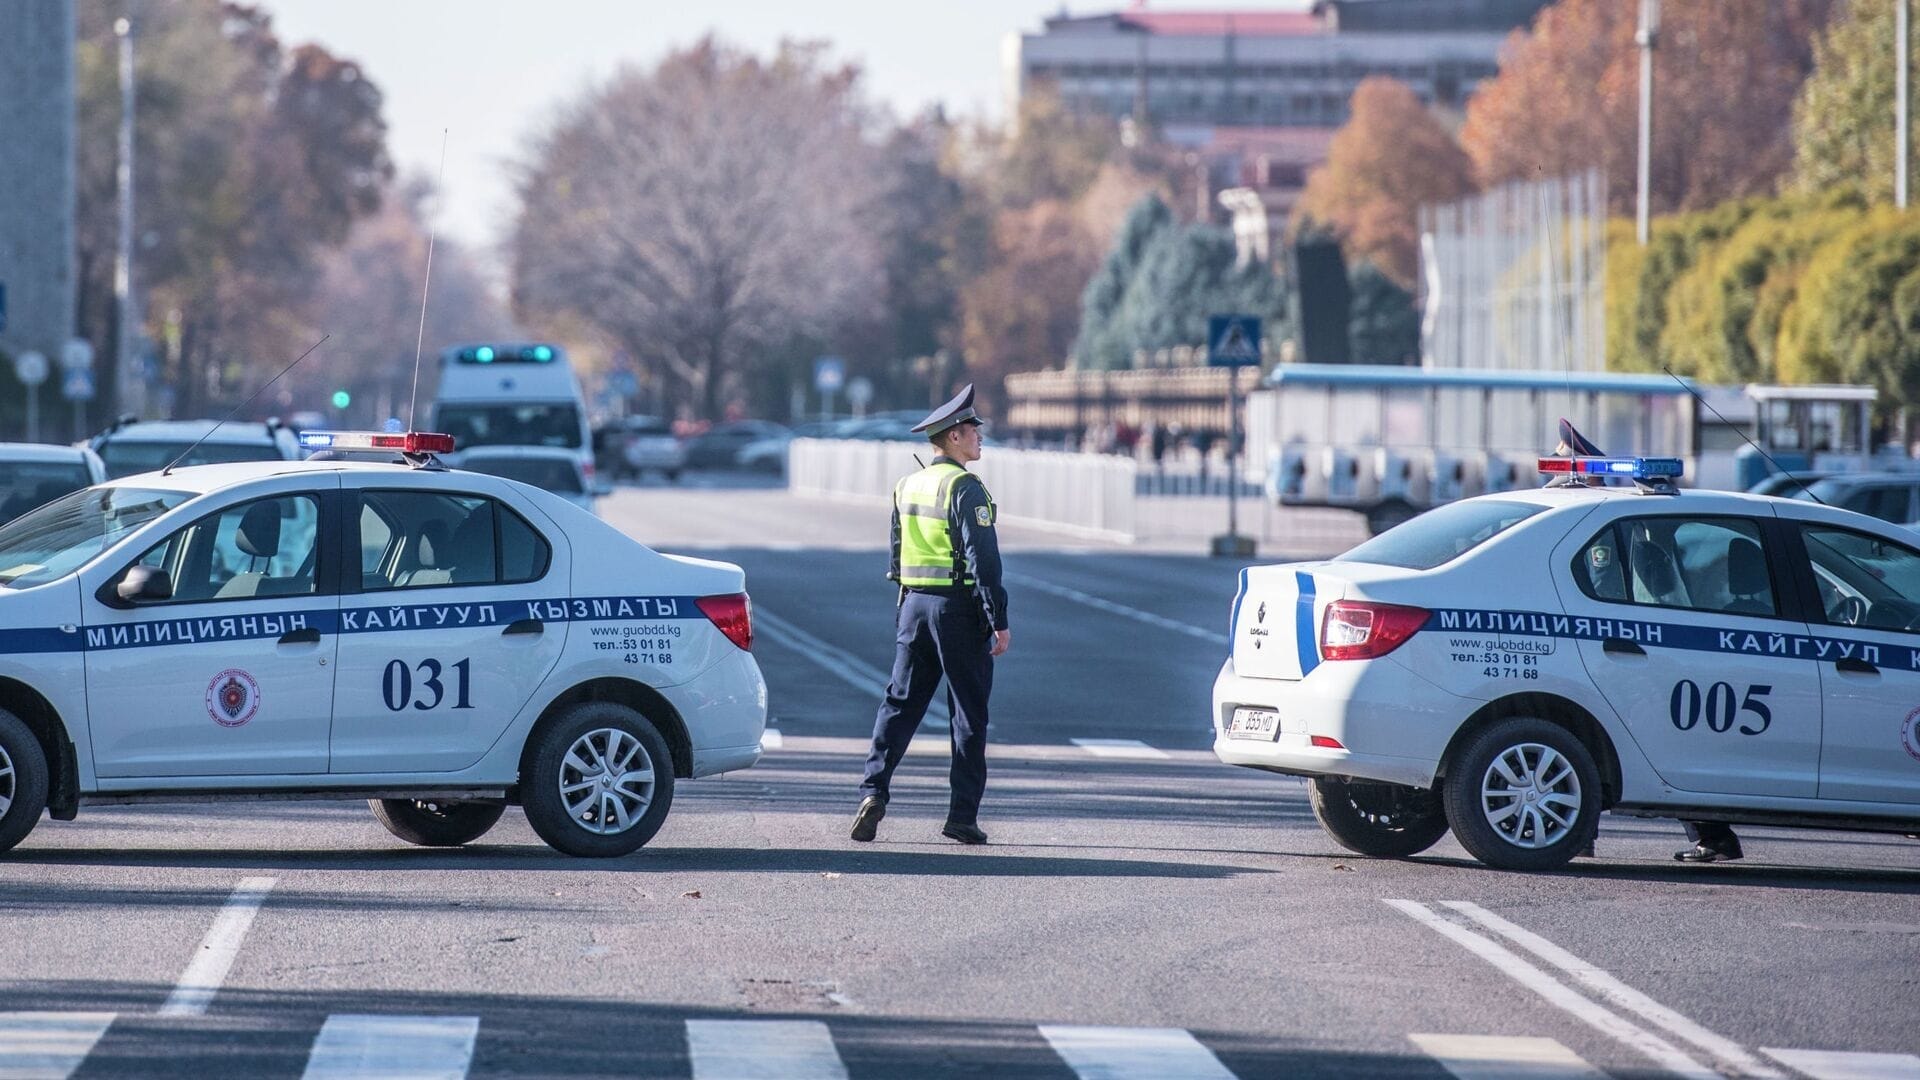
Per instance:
{"type": "Point", "coordinates": [549, 474]}
{"type": "Point", "coordinates": [59, 537]}
{"type": "Point", "coordinates": [1442, 534]}
{"type": "Point", "coordinates": [124, 457]}
{"type": "Point", "coordinates": [526, 423]}
{"type": "Point", "coordinates": [27, 484]}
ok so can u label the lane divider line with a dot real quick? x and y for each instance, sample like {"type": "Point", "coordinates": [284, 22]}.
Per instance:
{"type": "Point", "coordinates": [1560, 995]}
{"type": "Point", "coordinates": [1848, 1064]}
{"type": "Point", "coordinates": [1120, 748]}
{"type": "Point", "coordinates": [352, 1047]}
{"type": "Point", "coordinates": [1505, 1057]}
{"type": "Point", "coordinates": [48, 1045]}
{"type": "Point", "coordinates": [836, 661]}
{"type": "Point", "coordinates": [1133, 1053]}
{"type": "Point", "coordinates": [202, 979]}
{"type": "Point", "coordinates": [763, 1050]}
{"type": "Point", "coordinates": [1612, 990]}
{"type": "Point", "coordinates": [1101, 603]}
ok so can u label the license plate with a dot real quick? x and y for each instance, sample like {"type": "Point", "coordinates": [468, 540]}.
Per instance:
{"type": "Point", "coordinates": [1254, 724]}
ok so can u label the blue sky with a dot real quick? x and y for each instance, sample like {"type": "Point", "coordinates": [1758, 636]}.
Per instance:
{"type": "Point", "coordinates": [489, 72]}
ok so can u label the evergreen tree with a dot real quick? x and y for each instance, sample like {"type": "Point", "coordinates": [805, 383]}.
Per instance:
{"type": "Point", "coordinates": [1843, 130]}
{"type": "Point", "coordinates": [1105, 341]}
{"type": "Point", "coordinates": [1385, 320]}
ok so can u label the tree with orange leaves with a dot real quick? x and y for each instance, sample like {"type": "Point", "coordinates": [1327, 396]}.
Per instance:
{"type": "Point", "coordinates": [1568, 96]}
{"type": "Point", "coordinates": [1391, 158]}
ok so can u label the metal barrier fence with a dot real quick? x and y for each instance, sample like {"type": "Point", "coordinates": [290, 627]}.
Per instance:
{"type": "Point", "coordinates": [1088, 494]}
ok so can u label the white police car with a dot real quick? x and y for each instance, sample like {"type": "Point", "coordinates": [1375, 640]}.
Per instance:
{"type": "Point", "coordinates": [1512, 665]}
{"type": "Point", "coordinates": [442, 643]}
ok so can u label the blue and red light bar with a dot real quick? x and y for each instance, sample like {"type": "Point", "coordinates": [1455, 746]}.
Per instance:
{"type": "Point", "coordinates": [1632, 468]}
{"type": "Point", "coordinates": [404, 442]}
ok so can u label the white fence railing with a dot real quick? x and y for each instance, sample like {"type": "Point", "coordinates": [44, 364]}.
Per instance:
{"type": "Point", "coordinates": [1090, 494]}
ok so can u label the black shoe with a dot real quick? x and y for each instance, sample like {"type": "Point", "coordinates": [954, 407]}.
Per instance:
{"type": "Point", "coordinates": [966, 834]}
{"type": "Point", "coordinates": [1701, 853]}
{"type": "Point", "coordinates": [867, 821]}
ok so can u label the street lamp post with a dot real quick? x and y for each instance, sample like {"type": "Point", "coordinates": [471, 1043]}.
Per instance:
{"type": "Point", "coordinates": [1900, 47]}
{"type": "Point", "coordinates": [130, 391]}
{"type": "Point", "coordinates": [1649, 31]}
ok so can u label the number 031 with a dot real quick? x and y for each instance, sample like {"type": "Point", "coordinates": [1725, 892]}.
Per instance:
{"type": "Point", "coordinates": [398, 685]}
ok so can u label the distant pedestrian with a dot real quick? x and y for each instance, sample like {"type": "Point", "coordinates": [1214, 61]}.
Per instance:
{"type": "Point", "coordinates": [951, 620]}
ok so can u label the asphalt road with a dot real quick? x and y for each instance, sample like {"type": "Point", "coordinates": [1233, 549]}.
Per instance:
{"type": "Point", "coordinates": [1141, 907]}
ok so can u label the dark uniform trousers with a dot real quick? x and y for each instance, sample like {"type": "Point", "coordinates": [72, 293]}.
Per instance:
{"type": "Point", "coordinates": [939, 632]}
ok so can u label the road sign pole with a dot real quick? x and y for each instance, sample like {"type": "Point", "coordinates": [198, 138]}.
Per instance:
{"type": "Point", "coordinates": [1233, 342]}
{"type": "Point", "coordinates": [1233, 455]}
{"type": "Point", "coordinates": [33, 414]}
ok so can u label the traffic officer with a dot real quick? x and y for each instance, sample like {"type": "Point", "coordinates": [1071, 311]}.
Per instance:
{"type": "Point", "coordinates": [952, 619]}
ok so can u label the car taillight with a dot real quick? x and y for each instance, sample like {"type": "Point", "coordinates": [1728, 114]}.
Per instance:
{"type": "Point", "coordinates": [587, 466]}
{"type": "Point", "coordinates": [1357, 630]}
{"type": "Point", "coordinates": [733, 614]}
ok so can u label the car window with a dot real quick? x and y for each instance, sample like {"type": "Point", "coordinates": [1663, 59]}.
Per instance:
{"type": "Point", "coordinates": [124, 457]}
{"type": "Point", "coordinates": [1888, 502]}
{"type": "Point", "coordinates": [1864, 580]}
{"type": "Point", "coordinates": [376, 536]}
{"type": "Point", "coordinates": [1443, 533]}
{"type": "Point", "coordinates": [559, 475]}
{"type": "Point", "coordinates": [448, 539]}
{"type": "Point", "coordinates": [266, 547]}
{"type": "Point", "coordinates": [56, 539]}
{"type": "Point", "coordinates": [516, 424]}
{"type": "Point", "coordinates": [1698, 564]}
{"type": "Point", "coordinates": [25, 485]}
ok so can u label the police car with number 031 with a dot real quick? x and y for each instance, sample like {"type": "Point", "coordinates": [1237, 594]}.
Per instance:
{"type": "Point", "coordinates": [1510, 666]}
{"type": "Point", "coordinates": [441, 643]}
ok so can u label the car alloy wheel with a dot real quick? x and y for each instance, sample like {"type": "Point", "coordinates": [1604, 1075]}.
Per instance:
{"type": "Point", "coordinates": [9, 782]}
{"type": "Point", "coordinates": [607, 781]}
{"type": "Point", "coordinates": [1531, 796]}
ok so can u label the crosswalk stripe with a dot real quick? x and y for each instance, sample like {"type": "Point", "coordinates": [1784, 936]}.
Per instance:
{"type": "Point", "coordinates": [1848, 1065]}
{"type": "Point", "coordinates": [211, 962]}
{"type": "Point", "coordinates": [1120, 748]}
{"type": "Point", "coordinates": [353, 1047]}
{"type": "Point", "coordinates": [47, 1045]}
{"type": "Point", "coordinates": [1505, 1057]}
{"type": "Point", "coordinates": [763, 1050]}
{"type": "Point", "coordinates": [1129, 1053]}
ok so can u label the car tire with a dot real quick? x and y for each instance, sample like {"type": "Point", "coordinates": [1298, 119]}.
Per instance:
{"type": "Point", "coordinates": [23, 780]}
{"type": "Point", "coordinates": [1384, 821]}
{"type": "Point", "coordinates": [437, 823]}
{"type": "Point", "coordinates": [599, 820]}
{"type": "Point", "coordinates": [1540, 823]}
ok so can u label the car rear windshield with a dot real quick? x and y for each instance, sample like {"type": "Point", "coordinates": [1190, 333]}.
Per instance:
{"type": "Point", "coordinates": [1442, 534]}
{"type": "Point", "coordinates": [548, 474]}
{"type": "Point", "coordinates": [59, 537]}
{"type": "Point", "coordinates": [27, 484]}
{"type": "Point", "coordinates": [536, 423]}
{"type": "Point", "coordinates": [124, 457]}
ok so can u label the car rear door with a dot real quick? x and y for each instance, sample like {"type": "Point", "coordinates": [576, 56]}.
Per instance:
{"type": "Point", "coordinates": [1683, 627]}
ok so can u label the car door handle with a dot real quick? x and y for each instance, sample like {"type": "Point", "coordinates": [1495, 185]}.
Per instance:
{"type": "Point", "coordinates": [1857, 667]}
{"type": "Point", "coordinates": [524, 626]}
{"type": "Point", "coordinates": [308, 636]}
{"type": "Point", "coordinates": [1623, 647]}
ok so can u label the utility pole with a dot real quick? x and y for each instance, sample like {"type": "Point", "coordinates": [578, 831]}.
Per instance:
{"type": "Point", "coordinates": [1649, 31]}
{"type": "Point", "coordinates": [129, 388]}
{"type": "Point", "coordinates": [1900, 47]}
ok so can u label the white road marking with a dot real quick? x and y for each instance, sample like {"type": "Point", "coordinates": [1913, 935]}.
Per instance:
{"type": "Point", "coordinates": [1848, 1065]}
{"type": "Point", "coordinates": [1108, 606]}
{"type": "Point", "coordinates": [47, 1045]}
{"type": "Point", "coordinates": [772, 739]}
{"type": "Point", "coordinates": [1560, 995]}
{"type": "Point", "coordinates": [837, 661]}
{"type": "Point", "coordinates": [1120, 748]}
{"type": "Point", "coordinates": [202, 979]}
{"type": "Point", "coordinates": [763, 1050]}
{"type": "Point", "coordinates": [1612, 990]}
{"type": "Point", "coordinates": [1505, 1057]}
{"type": "Point", "coordinates": [1129, 1053]}
{"type": "Point", "coordinates": [393, 1048]}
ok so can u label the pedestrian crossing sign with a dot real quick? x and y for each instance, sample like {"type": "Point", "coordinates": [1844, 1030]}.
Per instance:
{"type": "Point", "coordinates": [1233, 341]}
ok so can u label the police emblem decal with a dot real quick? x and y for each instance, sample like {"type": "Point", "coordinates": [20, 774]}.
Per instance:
{"type": "Point", "coordinates": [983, 515]}
{"type": "Point", "coordinates": [232, 698]}
{"type": "Point", "coordinates": [1910, 735]}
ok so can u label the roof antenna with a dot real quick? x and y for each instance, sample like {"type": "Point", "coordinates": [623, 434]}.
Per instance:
{"type": "Point", "coordinates": [1742, 434]}
{"type": "Point", "coordinates": [244, 404]}
{"type": "Point", "coordinates": [433, 233]}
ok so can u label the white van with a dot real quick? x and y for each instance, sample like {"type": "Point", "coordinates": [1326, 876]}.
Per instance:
{"type": "Point", "coordinates": [512, 395]}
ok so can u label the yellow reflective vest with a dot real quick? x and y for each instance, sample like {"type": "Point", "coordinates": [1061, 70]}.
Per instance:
{"type": "Point", "coordinates": [928, 555]}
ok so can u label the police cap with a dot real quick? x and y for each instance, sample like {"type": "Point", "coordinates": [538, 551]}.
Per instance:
{"type": "Point", "coordinates": [957, 411]}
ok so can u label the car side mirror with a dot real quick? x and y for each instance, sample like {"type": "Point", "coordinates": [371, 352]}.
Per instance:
{"type": "Point", "coordinates": [143, 585]}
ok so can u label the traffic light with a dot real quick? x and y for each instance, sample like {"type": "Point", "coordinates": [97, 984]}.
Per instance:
{"type": "Point", "coordinates": [342, 399]}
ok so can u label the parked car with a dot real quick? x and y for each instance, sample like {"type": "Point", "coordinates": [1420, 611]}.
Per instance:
{"type": "Point", "coordinates": [1891, 497]}
{"type": "Point", "coordinates": [651, 446]}
{"type": "Point", "coordinates": [34, 474]}
{"type": "Point", "coordinates": [550, 468]}
{"type": "Point", "coordinates": [770, 454]}
{"type": "Point", "coordinates": [719, 445]}
{"type": "Point", "coordinates": [136, 446]}
{"type": "Point", "coordinates": [1786, 485]}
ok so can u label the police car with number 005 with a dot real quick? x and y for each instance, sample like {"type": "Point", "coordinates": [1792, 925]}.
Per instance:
{"type": "Point", "coordinates": [1510, 666]}
{"type": "Point", "coordinates": [441, 643]}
